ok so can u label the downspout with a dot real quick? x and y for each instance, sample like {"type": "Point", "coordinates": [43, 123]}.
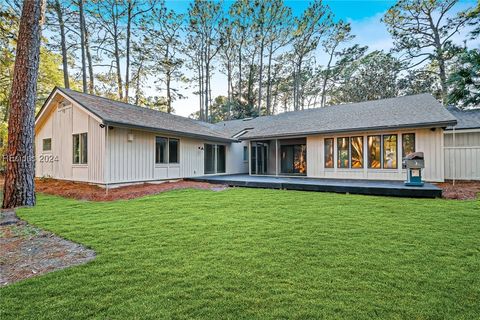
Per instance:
{"type": "Point", "coordinates": [107, 157]}
{"type": "Point", "coordinates": [454, 156]}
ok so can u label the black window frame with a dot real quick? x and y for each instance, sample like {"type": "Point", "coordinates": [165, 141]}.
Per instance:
{"type": "Point", "coordinates": [82, 148]}
{"type": "Point", "coordinates": [177, 154]}
{"type": "Point", "coordinates": [325, 153]}
{"type": "Point", "coordinates": [167, 150]}
{"type": "Point", "coordinates": [369, 164]}
{"type": "Point", "coordinates": [43, 144]}
{"type": "Point", "coordinates": [338, 153]}
{"type": "Point", "coordinates": [396, 151]}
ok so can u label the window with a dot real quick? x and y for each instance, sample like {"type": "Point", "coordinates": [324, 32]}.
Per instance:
{"type": "Point", "coordinates": [328, 153]}
{"type": "Point", "coordinates": [47, 144]}
{"type": "Point", "coordinates": [390, 151]}
{"type": "Point", "coordinates": [161, 150]}
{"type": "Point", "coordinates": [343, 153]}
{"type": "Point", "coordinates": [408, 144]}
{"type": "Point", "coordinates": [173, 150]}
{"type": "Point", "coordinates": [80, 147]}
{"type": "Point", "coordinates": [374, 152]}
{"type": "Point", "coordinates": [356, 149]}
{"type": "Point", "coordinates": [245, 153]}
{"type": "Point", "coordinates": [167, 150]}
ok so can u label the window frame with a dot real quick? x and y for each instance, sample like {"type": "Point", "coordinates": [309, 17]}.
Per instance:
{"type": "Point", "coordinates": [325, 153]}
{"type": "Point", "coordinates": [215, 150]}
{"type": "Point", "coordinates": [43, 145]}
{"type": "Point", "coordinates": [338, 153]}
{"type": "Point", "coordinates": [245, 154]}
{"type": "Point", "coordinates": [178, 151]}
{"type": "Point", "coordinates": [381, 152]}
{"type": "Point", "coordinates": [396, 151]}
{"type": "Point", "coordinates": [350, 151]}
{"type": "Point", "coordinates": [82, 148]}
{"type": "Point", "coordinates": [403, 142]}
{"type": "Point", "coordinates": [167, 151]}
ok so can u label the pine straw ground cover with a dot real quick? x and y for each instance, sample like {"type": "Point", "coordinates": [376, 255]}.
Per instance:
{"type": "Point", "coordinates": [257, 254]}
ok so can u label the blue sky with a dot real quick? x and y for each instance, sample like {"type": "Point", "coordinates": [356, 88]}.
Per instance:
{"type": "Point", "coordinates": [363, 15]}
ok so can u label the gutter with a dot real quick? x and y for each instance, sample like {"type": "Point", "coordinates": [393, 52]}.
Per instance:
{"type": "Point", "coordinates": [308, 133]}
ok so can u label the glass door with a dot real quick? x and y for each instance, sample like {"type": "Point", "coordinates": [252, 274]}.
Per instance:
{"type": "Point", "coordinates": [259, 158]}
{"type": "Point", "coordinates": [214, 161]}
{"type": "Point", "coordinates": [293, 159]}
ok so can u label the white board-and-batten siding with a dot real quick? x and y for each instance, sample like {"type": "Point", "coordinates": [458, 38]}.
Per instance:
{"type": "Point", "coordinates": [61, 123]}
{"type": "Point", "coordinates": [134, 161]}
{"type": "Point", "coordinates": [462, 156]}
{"type": "Point", "coordinates": [426, 140]}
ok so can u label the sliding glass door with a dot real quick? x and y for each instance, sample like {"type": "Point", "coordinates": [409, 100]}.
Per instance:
{"type": "Point", "coordinates": [214, 158]}
{"type": "Point", "coordinates": [259, 158]}
{"type": "Point", "coordinates": [293, 159]}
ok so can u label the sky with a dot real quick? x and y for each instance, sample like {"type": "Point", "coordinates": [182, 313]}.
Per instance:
{"type": "Point", "coordinates": [364, 17]}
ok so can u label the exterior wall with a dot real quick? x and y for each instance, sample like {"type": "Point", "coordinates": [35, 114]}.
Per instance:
{"type": "Point", "coordinates": [134, 161]}
{"type": "Point", "coordinates": [428, 141]}
{"type": "Point", "coordinates": [60, 125]}
{"type": "Point", "coordinates": [462, 157]}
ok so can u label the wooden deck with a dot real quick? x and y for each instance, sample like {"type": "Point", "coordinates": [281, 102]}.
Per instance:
{"type": "Point", "coordinates": [367, 187]}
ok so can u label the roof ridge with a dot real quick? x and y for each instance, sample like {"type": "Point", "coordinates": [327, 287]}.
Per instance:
{"type": "Point", "coordinates": [136, 106]}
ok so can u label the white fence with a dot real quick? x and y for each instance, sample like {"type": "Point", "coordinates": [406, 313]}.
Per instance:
{"type": "Point", "coordinates": [462, 155]}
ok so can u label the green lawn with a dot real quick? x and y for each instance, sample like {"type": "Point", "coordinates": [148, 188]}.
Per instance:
{"type": "Point", "coordinates": [258, 254]}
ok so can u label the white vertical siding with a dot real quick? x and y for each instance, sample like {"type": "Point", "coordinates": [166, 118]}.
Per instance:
{"type": "Point", "coordinates": [235, 162]}
{"type": "Point", "coordinates": [59, 125]}
{"type": "Point", "coordinates": [428, 141]}
{"type": "Point", "coordinates": [462, 159]}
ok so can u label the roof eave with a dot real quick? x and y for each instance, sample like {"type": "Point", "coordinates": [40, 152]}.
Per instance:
{"type": "Point", "coordinates": [441, 124]}
{"type": "Point", "coordinates": [170, 132]}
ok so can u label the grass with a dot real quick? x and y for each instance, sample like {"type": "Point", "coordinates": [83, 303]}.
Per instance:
{"type": "Point", "coordinates": [258, 254]}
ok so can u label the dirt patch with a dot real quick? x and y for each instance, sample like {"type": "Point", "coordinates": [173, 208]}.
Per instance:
{"type": "Point", "coordinates": [462, 190]}
{"type": "Point", "coordinates": [84, 191]}
{"type": "Point", "coordinates": [26, 251]}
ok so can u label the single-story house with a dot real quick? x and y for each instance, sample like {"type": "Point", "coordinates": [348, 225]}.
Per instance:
{"type": "Point", "coordinates": [462, 146]}
{"type": "Point", "coordinates": [83, 137]}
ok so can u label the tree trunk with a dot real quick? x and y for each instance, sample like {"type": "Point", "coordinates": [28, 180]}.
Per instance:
{"type": "Point", "coordinates": [169, 95]}
{"type": "Point", "coordinates": [137, 85]}
{"type": "Point", "coordinates": [240, 72]}
{"type": "Point", "coordinates": [19, 188]}
{"type": "Point", "coordinates": [269, 80]}
{"type": "Point", "coordinates": [117, 63]}
{"type": "Point", "coordinates": [127, 54]}
{"type": "Point", "coordinates": [91, 84]}
{"type": "Point", "coordinates": [61, 23]}
{"type": "Point", "coordinates": [82, 45]}
{"type": "Point", "coordinates": [260, 76]}
{"type": "Point", "coordinates": [325, 79]}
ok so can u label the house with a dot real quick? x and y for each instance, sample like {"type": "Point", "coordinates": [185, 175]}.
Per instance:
{"type": "Point", "coordinates": [462, 146]}
{"type": "Point", "coordinates": [83, 137]}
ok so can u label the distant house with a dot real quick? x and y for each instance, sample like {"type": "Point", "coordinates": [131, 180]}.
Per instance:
{"type": "Point", "coordinates": [462, 146]}
{"type": "Point", "coordinates": [82, 137]}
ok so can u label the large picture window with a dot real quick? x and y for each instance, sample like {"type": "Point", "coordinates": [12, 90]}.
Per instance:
{"type": "Point", "coordinates": [328, 153]}
{"type": "Point", "coordinates": [167, 150]}
{"type": "Point", "coordinates": [408, 144]}
{"type": "Point", "coordinates": [356, 147]}
{"type": "Point", "coordinates": [374, 152]}
{"type": "Point", "coordinates": [80, 147]}
{"type": "Point", "coordinates": [390, 151]}
{"type": "Point", "coordinates": [343, 154]}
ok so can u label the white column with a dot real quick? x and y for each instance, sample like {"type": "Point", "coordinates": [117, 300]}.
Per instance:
{"type": "Point", "coordinates": [276, 157]}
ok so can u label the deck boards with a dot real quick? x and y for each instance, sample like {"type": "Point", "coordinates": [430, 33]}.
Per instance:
{"type": "Point", "coordinates": [367, 187]}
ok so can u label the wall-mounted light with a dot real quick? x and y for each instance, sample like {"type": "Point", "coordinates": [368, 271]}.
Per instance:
{"type": "Point", "coordinates": [200, 148]}
{"type": "Point", "coordinates": [102, 125]}
{"type": "Point", "coordinates": [130, 137]}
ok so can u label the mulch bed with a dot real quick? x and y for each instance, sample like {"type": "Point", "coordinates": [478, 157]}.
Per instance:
{"type": "Point", "coordinates": [462, 190]}
{"type": "Point", "coordinates": [26, 251]}
{"type": "Point", "coordinates": [85, 191]}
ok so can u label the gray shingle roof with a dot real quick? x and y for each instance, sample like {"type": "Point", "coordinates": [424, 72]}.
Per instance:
{"type": "Point", "coordinates": [409, 111]}
{"type": "Point", "coordinates": [124, 114]}
{"type": "Point", "coordinates": [466, 119]}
